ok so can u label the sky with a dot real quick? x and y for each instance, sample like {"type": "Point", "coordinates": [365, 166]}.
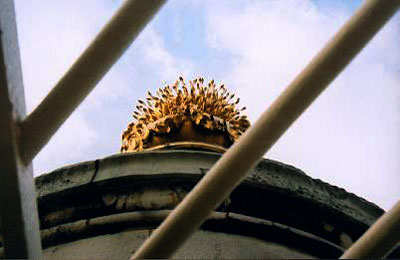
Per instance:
{"type": "Point", "coordinates": [349, 137]}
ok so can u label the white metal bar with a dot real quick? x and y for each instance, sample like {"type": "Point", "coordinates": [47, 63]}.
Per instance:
{"type": "Point", "coordinates": [84, 74]}
{"type": "Point", "coordinates": [380, 239]}
{"type": "Point", "coordinates": [18, 210]}
{"type": "Point", "coordinates": [246, 152]}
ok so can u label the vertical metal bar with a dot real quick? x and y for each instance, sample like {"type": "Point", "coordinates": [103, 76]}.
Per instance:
{"type": "Point", "coordinates": [379, 239]}
{"type": "Point", "coordinates": [18, 210]}
{"type": "Point", "coordinates": [245, 153]}
{"type": "Point", "coordinates": [85, 73]}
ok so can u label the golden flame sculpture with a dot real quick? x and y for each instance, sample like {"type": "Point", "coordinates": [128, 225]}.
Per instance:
{"type": "Point", "coordinates": [196, 116]}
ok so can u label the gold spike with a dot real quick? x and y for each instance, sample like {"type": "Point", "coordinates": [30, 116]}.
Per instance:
{"type": "Point", "coordinates": [169, 92]}
{"type": "Point", "coordinates": [175, 87]}
{"type": "Point", "coordinates": [185, 90]}
{"type": "Point", "coordinates": [150, 104]}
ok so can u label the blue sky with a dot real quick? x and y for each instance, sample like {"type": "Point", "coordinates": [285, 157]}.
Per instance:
{"type": "Point", "coordinates": [349, 137]}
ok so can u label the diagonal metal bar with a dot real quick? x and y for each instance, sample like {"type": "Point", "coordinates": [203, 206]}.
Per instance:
{"type": "Point", "coordinates": [380, 239]}
{"type": "Point", "coordinates": [85, 73]}
{"type": "Point", "coordinates": [245, 153]}
{"type": "Point", "coordinates": [18, 209]}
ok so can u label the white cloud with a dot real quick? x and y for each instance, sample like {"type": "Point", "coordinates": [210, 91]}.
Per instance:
{"type": "Point", "coordinates": [52, 35]}
{"type": "Point", "coordinates": [155, 54]}
{"type": "Point", "coordinates": [69, 145]}
{"type": "Point", "coordinates": [349, 137]}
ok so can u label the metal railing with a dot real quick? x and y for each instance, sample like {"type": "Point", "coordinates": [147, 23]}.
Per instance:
{"type": "Point", "coordinates": [18, 210]}
{"type": "Point", "coordinates": [226, 174]}
{"type": "Point", "coordinates": [18, 199]}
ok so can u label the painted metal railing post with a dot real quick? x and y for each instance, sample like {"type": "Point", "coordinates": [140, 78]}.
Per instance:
{"type": "Point", "coordinates": [227, 173]}
{"type": "Point", "coordinates": [85, 73]}
{"type": "Point", "coordinates": [18, 209]}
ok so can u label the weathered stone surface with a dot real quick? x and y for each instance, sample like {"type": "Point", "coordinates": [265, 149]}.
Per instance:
{"type": "Point", "coordinates": [123, 192]}
{"type": "Point", "coordinates": [155, 163]}
{"type": "Point", "coordinates": [291, 179]}
{"type": "Point", "coordinates": [65, 178]}
{"type": "Point", "coordinates": [202, 245]}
